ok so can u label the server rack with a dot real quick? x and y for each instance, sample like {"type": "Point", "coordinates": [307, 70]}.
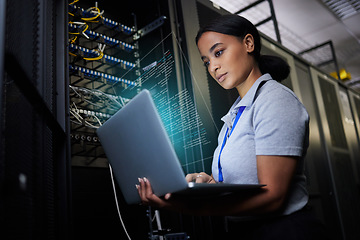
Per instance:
{"type": "Point", "coordinates": [159, 64]}
{"type": "Point", "coordinates": [340, 151]}
{"type": "Point", "coordinates": [34, 177]}
{"type": "Point", "coordinates": [2, 53]}
{"type": "Point", "coordinates": [355, 104]}
{"type": "Point", "coordinates": [116, 50]}
{"type": "Point", "coordinates": [99, 51]}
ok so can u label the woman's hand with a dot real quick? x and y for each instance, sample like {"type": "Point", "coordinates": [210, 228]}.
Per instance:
{"type": "Point", "coordinates": [149, 198]}
{"type": "Point", "coordinates": [168, 202]}
{"type": "Point", "coordinates": [200, 178]}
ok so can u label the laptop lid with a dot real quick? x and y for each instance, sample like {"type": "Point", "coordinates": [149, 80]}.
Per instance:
{"type": "Point", "coordinates": [137, 145]}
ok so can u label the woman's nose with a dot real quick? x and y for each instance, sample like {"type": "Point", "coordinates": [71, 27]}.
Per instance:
{"type": "Point", "coordinates": [214, 66]}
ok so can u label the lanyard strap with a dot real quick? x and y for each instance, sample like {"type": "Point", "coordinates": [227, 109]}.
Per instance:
{"type": "Point", "coordinates": [241, 109]}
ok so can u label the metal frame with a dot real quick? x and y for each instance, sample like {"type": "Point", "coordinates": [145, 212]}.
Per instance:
{"type": "Point", "coordinates": [62, 113]}
{"type": "Point", "coordinates": [352, 96]}
{"type": "Point", "coordinates": [2, 78]}
{"type": "Point", "coordinates": [334, 59]}
{"type": "Point", "coordinates": [356, 114]}
{"type": "Point", "coordinates": [271, 18]}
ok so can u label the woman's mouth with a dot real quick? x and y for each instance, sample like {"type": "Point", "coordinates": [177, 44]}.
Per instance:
{"type": "Point", "coordinates": [221, 77]}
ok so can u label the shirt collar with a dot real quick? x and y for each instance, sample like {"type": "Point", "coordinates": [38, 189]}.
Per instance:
{"type": "Point", "coordinates": [247, 100]}
{"type": "Point", "coordinates": [249, 97]}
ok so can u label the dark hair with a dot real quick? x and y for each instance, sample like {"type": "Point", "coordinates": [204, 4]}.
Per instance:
{"type": "Point", "coordinates": [238, 26]}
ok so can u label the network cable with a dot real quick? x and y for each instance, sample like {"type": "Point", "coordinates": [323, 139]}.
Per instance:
{"type": "Point", "coordinates": [117, 203]}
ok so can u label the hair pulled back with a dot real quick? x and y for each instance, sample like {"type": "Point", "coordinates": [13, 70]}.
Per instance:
{"type": "Point", "coordinates": [238, 26]}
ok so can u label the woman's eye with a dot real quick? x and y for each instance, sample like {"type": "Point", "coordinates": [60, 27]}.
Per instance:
{"type": "Point", "coordinates": [218, 53]}
{"type": "Point", "coordinates": [207, 63]}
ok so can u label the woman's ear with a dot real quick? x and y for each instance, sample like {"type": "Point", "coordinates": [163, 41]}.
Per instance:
{"type": "Point", "coordinates": [249, 43]}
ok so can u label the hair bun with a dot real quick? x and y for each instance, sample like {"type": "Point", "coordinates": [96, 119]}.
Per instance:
{"type": "Point", "coordinates": [277, 67]}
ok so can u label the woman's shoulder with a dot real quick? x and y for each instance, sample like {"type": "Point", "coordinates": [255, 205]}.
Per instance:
{"type": "Point", "coordinates": [273, 90]}
{"type": "Point", "coordinates": [275, 99]}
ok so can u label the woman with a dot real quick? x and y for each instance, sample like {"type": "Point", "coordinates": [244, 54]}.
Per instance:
{"type": "Point", "coordinates": [264, 139]}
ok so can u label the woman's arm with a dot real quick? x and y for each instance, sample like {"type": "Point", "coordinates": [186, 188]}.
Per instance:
{"type": "Point", "coordinates": [274, 171]}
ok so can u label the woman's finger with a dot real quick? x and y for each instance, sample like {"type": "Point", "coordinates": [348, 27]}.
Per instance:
{"type": "Point", "coordinates": [144, 189]}
{"type": "Point", "coordinates": [167, 196]}
{"type": "Point", "coordinates": [148, 189]}
{"type": "Point", "coordinates": [200, 178]}
{"type": "Point", "coordinates": [191, 177]}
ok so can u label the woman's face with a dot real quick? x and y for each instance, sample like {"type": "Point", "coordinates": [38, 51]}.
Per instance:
{"type": "Point", "coordinates": [226, 58]}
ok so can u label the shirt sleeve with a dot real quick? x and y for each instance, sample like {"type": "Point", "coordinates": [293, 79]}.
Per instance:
{"type": "Point", "coordinates": [280, 124]}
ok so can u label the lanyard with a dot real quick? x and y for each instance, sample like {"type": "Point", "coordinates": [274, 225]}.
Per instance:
{"type": "Point", "coordinates": [241, 109]}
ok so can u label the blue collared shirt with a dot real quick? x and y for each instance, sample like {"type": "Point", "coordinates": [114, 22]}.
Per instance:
{"type": "Point", "coordinates": [274, 122]}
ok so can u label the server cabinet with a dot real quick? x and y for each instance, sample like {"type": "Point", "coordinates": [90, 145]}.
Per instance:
{"type": "Point", "coordinates": [348, 117]}
{"type": "Point", "coordinates": [2, 54]}
{"type": "Point", "coordinates": [355, 103]}
{"type": "Point", "coordinates": [34, 161]}
{"type": "Point", "coordinates": [132, 58]}
{"type": "Point", "coordinates": [355, 107]}
{"type": "Point", "coordinates": [340, 153]}
{"type": "Point", "coordinates": [105, 72]}
{"type": "Point", "coordinates": [158, 61]}
{"type": "Point", "coordinates": [318, 171]}
{"type": "Point", "coordinates": [116, 49]}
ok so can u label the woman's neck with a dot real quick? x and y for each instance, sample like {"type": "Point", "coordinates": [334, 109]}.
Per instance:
{"type": "Point", "coordinates": [244, 87]}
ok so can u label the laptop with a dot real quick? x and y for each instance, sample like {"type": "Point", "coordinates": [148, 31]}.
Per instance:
{"type": "Point", "coordinates": [136, 144]}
